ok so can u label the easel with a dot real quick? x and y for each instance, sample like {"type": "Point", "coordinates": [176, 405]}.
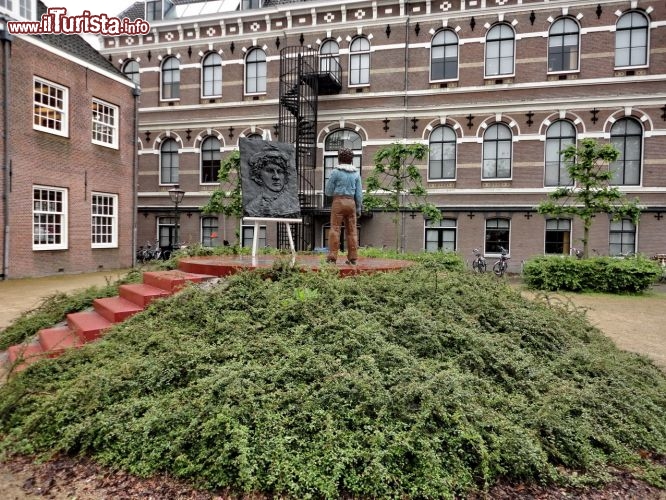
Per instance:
{"type": "Point", "coordinates": [255, 236]}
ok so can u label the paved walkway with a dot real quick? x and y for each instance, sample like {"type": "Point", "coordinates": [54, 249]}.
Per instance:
{"type": "Point", "coordinates": [20, 295]}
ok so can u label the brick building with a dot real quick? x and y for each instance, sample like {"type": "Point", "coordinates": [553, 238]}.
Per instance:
{"type": "Point", "coordinates": [68, 153]}
{"type": "Point", "coordinates": [495, 88]}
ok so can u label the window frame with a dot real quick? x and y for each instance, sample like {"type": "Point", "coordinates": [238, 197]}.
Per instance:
{"type": "Point", "coordinates": [134, 76]}
{"type": "Point", "coordinates": [622, 232]}
{"type": "Point", "coordinates": [632, 30]}
{"type": "Point", "coordinates": [558, 230]}
{"type": "Point", "coordinates": [349, 138]}
{"type": "Point", "coordinates": [563, 36]}
{"type": "Point", "coordinates": [246, 240]}
{"type": "Point", "coordinates": [561, 163]}
{"type": "Point", "coordinates": [207, 231]}
{"type": "Point", "coordinates": [622, 156]}
{"type": "Point", "coordinates": [497, 253]}
{"type": "Point", "coordinates": [173, 85]}
{"type": "Point", "coordinates": [442, 160]}
{"type": "Point", "coordinates": [499, 42]}
{"type": "Point", "coordinates": [115, 116]}
{"type": "Point", "coordinates": [59, 220]}
{"type": "Point", "coordinates": [497, 142]}
{"type": "Point", "coordinates": [172, 154]}
{"type": "Point", "coordinates": [259, 79]}
{"type": "Point", "coordinates": [111, 224]}
{"type": "Point", "coordinates": [216, 155]}
{"type": "Point", "coordinates": [357, 56]}
{"type": "Point", "coordinates": [445, 45]}
{"type": "Point", "coordinates": [440, 230]}
{"type": "Point", "coordinates": [166, 225]}
{"type": "Point", "coordinates": [206, 69]}
{"type": "Point", "coordinates": [63, 111]}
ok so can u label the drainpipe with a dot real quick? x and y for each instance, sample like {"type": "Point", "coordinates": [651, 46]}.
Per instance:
{"type": "Point", "coordinates": [136, 92]}
{"type": "Point", "coordinates": [401, 213]}
{"type": "Point", "coordinates": [6, 40]}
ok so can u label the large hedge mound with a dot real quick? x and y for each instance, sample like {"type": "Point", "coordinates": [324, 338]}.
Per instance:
{"type": "Point", "coordinates": [414, 384]}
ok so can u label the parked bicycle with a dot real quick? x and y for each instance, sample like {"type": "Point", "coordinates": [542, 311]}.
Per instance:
{"type": "Point", "coordinates": [500, 267]}
{"type": "Point", "coordinates": [152, 252]}
{"type": "Point", "coordinates": [479, 263]}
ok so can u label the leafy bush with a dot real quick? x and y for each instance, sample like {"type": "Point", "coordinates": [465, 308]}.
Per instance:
{"type": "Point", "coordinates": [599, 274]}
{"type": "Point", "coordinates": [441, 260]}
{"type": "Point", "coordinates": [56, 307]}
{"type": "Point", "coordinates": [417, 384]}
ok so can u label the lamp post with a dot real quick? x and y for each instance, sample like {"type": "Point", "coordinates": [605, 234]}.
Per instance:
{"type": "Point", "coordinates": [176, 194]}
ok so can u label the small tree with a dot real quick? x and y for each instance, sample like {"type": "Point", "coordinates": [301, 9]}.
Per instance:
{"type": "Point", "coordinates": [228, 198]}
{"type": "Point", "coordinates": [396, 185]}
{"type": "Point", "coordinates": [588, 167]}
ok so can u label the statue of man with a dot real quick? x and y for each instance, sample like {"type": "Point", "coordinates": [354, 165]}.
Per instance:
{"type": "Point", "coordinates": [344, 185]}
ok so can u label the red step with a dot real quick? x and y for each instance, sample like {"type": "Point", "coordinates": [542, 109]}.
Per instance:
{"type": "Point", "coordinates": [141, 295]}
{"type": "Point", "coordinates": [24, 353]}
{"type": "Point", "coordinates": [173, 280]}
{"type": "Point", "coordinates": [56, 340]}
{"type": "Point", "coordinates": [88, 325]}
{"type": "Point", "coordinates": [115, 309]}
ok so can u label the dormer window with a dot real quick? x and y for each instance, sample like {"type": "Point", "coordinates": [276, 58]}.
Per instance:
{"type": "Point", "coordinates": [251, 4]}
{"type": "Point", "coordinates": [156, 10]}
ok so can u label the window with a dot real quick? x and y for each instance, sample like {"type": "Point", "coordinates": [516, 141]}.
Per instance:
{"type": "Point", "coordinates": [131, 71]}
{"type": "Point", "coordinates": [50, 107]}
{"type": "Point", "coordinates": [104, 124]}
{"type": "Point", "coordinates": [497, 235]}
{"type": "Point", "coordinates": [255, 72]}
{"type": "Point", "coordinates": [251, 4]}
{"type": "Point", "coordinates": [497, 152]}
{"type": "Point", "coordinates": [559, 135]}
{"type": "Point", "coordinates": [440, 236]}
{"type": "Point", "coordinates": [359, 61]}
{"type": "Point", "coordinates": [248, 235]}
{"type": "Point", "coordinates": [499, 50]}
{"type": "Point", "coordinates": [329, 58]}
{"type": "Point", "coordinates": [627, 137]}
{"type": "Point", "coordinates": [25, 9]}
{"type": "Point", "coordinates": [631, 40]}
{"type": "Point", "coordinates": [444, 56]}
{"type": "Point", "coordinates": [558, 236]}
{"type": "Point", "coordinates": [209, 229]}
{"type": "Point", "coordinates": [333, 142]}
{"type": "Point", "coordinates": [563, 40]}
{"type": "Point", "coordinates": [210, 160]}
{"type": "Point", "coordinates": [170, 79]}
{"type": "Point", "coordinates": [211, 75]}
{"type": "Point", "coordinates": [49, 218]}
{"type": "Point", "coordinates": [622, 237]}
{"type": "Point", "coordinates": [166, 229]}
{"type": "Point", "coordinates": [104, 223]}
{"type": "Point", "coordinates": [169, 162]}
{"type": "Point", "coordinates": [442, 159]}
{"type": "Point", "coordinates": [156, 10]}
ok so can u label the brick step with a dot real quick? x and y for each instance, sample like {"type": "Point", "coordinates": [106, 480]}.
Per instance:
{"type": "Point", "coordinates": [140, 294]}
{"type": "Point", "coordinates": [24, 353]}
{"type": "Point", "coordinates": [88, 325]}
{"type": "Point", "coordinates": [173, 280]}
{"type": "Point", "coordinates": [56, 340]}
{"type": "Point", "coordinates": [116, 309]}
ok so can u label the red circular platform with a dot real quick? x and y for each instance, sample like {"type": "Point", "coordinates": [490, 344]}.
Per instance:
{"type": "Point", "coordinates": [224, 265]}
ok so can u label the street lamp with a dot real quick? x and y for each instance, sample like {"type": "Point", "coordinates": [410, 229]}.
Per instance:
{"type": "Point", "coordinates": [176, 194]}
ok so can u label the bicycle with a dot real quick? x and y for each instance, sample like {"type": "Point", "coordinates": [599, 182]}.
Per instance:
{"type": "Point", "coordinates": [479, 263]}
{"type": "Point", "coordinates": [500, 267]}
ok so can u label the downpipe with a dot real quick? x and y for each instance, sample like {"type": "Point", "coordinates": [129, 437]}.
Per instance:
{"type": "Point", "coordinates": [6, 40]}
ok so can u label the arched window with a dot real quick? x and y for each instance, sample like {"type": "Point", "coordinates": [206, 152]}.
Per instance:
{"type": "Point", "coordinates": [211, 75]}
{"type": "Point", "coordinates": [497, 152]}
{"type": "Point", "coordinates": [631, 40]}
{"type": "Point", "coordinates": [627, 137]}
{"type": "Point", "coordinates": [559, 135]}
{"type": "Point", "coordinates": [255, 72]}
{"type": "Point", "coordinates": [442, 159]}
{"type": "Point", "coordinates": [444, 56]}
{"type": "Point", "coordinates": [334, 141]}
{"type": "Point", "coordinates": [210, 159]}
{"type": "Point", "coordinates": [170, 78]}
{"type": "Point", "coordinates": [563, 42]}
{"type": "Point", "coordinates": [169, 162]}
{"type": "Point", "coordinates": [500, 49]}
{"type": "Point", "coordinates": [329, 57]}
{"type": "Point", "coordinates": [131, 71]}
{"type": "Point", "coordinates": [359, 61]}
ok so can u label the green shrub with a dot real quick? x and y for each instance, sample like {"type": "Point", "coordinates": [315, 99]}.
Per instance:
{"type": "Point", "coordinates": [441, 260]}
{"type": "Point", "coordinates": [599, 274]}
{"type": "Point", "coordinates": [415, 384]}
{"type": "Point", "coordinates": [55, 308]}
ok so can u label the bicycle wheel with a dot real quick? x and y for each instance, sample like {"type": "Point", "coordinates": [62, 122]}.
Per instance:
{"type": "Point", "coordinates": [498, 268]}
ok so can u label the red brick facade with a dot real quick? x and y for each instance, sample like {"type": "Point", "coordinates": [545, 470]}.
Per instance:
{"type": "Point", "coordinates": [402, 103]}
{"type": "Point", "coordinates": [71, 164]}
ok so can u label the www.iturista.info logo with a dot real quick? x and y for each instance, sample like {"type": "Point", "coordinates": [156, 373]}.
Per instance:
{"type": "Point", "coordinates": [56, 21]}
